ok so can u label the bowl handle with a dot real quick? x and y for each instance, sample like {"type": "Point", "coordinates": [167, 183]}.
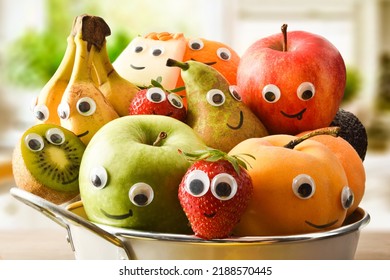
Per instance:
{"type": "Point", "coordinates": [61, 216]}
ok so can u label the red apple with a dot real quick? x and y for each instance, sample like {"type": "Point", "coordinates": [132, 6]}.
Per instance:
{"type": "Point", "coordinates": [293, 81]}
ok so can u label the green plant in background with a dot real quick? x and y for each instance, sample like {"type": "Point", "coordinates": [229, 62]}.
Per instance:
{"type": "Point", "coordinates": [34, 57]}
{"type": "Point", "coordinates": [383, 97]}
{"type": "Point", "coordinates": [353, 84]}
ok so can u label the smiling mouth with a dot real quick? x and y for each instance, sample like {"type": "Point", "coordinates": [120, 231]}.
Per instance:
{"type": "Point", "coordinates": [136, 67]}
{"type": "Point", "coordinates": [70, 181]}
{"type": "Point", "coordinates": [298, 116]}
{"type": "Point", "coordinates": [211, 215]}
{"type": "Point", "coordinates": [207, 63]}
{"type": "Point", "coordinates": [168, 114]}
{"type": "Point", "coordinates": [117, 217]}
{"type": "Point", "coordinates": [82, 134]}
{"type": "Point", "coordinates": [240, 123]}
{"type": "Point", "coordinates": [321, 226]}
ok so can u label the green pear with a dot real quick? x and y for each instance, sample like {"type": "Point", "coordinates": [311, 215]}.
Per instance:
{"type": "Point", "coordinates": [214, 107]}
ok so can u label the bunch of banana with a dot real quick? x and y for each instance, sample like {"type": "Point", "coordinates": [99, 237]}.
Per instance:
{"type": "Point", "coordinates": [86, 91]}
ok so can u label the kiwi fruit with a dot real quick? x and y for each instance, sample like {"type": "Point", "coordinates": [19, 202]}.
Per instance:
{"type": "Point", "coordinates": [352, 130]}
{"type": "Point", "coordinates": [46, 162]}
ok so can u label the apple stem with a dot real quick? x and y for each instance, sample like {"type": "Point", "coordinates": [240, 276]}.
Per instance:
{"type": "Point", "coordinates": [332, 131]}
{"type": "Point", "coordinates": [162, 135]}
{"type": "Point", "coordinates": [284, 31]}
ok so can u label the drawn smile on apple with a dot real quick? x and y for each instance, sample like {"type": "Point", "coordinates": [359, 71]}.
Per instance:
{"type": "Point", "coordinates": [117, 217]}
{"type": "Point", "coordinates": [83, 134]}
{"type": "Point", "coordinates": [298, 116]}
{"type": "Point", "coordinates": [323, 226]}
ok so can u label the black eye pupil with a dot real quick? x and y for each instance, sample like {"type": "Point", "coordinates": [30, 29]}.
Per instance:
{"type": "Point", "coordinates": [270, 96]}
{"type": "Point", "coordinates": [39, 115]}
{"type": "Point", "coordinates": [176, 103]}
{"type": "Point", "coordinates": [55, 138]}
{"type": "Point", "coordinates": [196, 186]}
{"type": "Point", "coordinates": [307, 94]}
{"type": "Point", "coordinates": [349, 201]}
{"type": "Point", "coordinates": [305, 190]}
{"type": "Point", "coordinates": [236, 95]}
{"type": "Point", "coordinates": [140, 199]}
{"type": "Point", "coordinates": [217, 98]}
{"type": "Point", "coordinates": [195, 46]}
{"type": "Point", "coordinates": [157, 52]}
{"type": "Point", "coordinates": [223, 189]}
{"type": "Point", "coordinates": [84, 107]}
{"type": "Point", "coordinates": [224, 56]}
{"type": "Point", "coordinates": [96, 181]}
{"type": "Point", "coordinates": [34, 144]}
{"type": "Point", "coordinates": [138, 49]}
{"type": "Point", "coordinates": [156, 97]}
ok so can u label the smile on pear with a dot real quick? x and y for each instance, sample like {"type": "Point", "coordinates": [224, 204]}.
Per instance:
{"type": "Point", "coordinates": [323, 226]}
{"type": "Point", "coordinates": [137, 67]}
{"type": "Point", "coordinates": [298, 116]}
{"type": "Point", "coordinates": [117, 217]}
{"type": "Point", "coordinates": [240, 123]}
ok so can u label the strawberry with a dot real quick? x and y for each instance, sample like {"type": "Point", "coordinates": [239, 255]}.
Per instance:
{"type": "Point", "coordinates": [156, 100]}
{"type": "Point", "coordinates": [214, 193]}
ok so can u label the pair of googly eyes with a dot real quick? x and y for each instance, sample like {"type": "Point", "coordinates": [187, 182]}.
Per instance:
{"type": "Point", "coordinates": [223, 186]}
{"type": "Point", "coordinates": [157, 95]}
{"type": "Point", "coordinates": [155, 51]}
{"type": "Point", "coordinates": [216, 97]}
{"type": "Point", "coordinates": [140, 194]}
{"type": "Point", "coordinates": [222, 53]}
{"type": "Point", "coordinates": [305, 91]}
{"type": "Point", "coordinates": [85, 106]}
{"type": "Point", "coordinates": [304, 187]}
{"type": "Point", "coordinates": [35, 142]}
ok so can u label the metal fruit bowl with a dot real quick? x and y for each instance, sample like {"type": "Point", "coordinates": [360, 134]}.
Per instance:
{"type": "Point", "coordinates": [94, 241]}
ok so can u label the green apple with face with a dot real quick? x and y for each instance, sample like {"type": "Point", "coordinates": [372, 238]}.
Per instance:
{"type": "Point", "coordinates": [131, 170]}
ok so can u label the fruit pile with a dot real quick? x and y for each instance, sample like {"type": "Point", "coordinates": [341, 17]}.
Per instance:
{"type": "Point", "coordinates": [182, 135]}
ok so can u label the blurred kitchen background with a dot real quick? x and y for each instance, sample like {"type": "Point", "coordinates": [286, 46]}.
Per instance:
{"type": "Point", "coordinates": [33, 40]}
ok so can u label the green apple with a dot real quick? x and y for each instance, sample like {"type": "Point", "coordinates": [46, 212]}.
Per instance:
{"type": "Point", "coordinates": [131, 171]}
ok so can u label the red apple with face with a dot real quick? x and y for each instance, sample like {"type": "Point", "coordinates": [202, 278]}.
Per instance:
{"type": "Point", "coordinates": [293, 81]}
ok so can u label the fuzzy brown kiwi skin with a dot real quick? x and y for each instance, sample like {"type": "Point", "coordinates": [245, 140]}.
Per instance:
{"type": "Point", "coordinates": [24, 180]}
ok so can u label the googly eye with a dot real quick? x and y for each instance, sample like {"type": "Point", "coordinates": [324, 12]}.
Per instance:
{"type": "Point", "coordinates": [55, 136]}
{"type": "Point", "coordinates": [196, 44]}
{"type": "Point", "coordinates": [175, 100]}
{"type": "Point", "coordinates": [271, 93]}
{"type": "Point", "coordinates": [197, 183]}
{"type": "Point", "coordinates": [305, 91]}
{"type": "Point", "coordinates": [224, 54]}
{"type": "Point", "coordinates": [98, 177]}
{"type": "Point", "coordinates": [234, 92]}
{"type": "Point", "coordinates": [224, 186]}
{"type": "Point", "coordinates": [156, 95]}
{"type": "Point", "coordinates": [41, 112]}
{"type": "Point", "coordinates": [303, 186]}
{"type": "Point", "coordinates": [86, 106]}
{"type": "Point", "coordinates": [34, 142]}
{"type": "Point", "coordinates": [138, 48]}
{"type": "Point", "coordinates": [215, 97]}
{"type": "Point", "coordinates": [347, 197]}
{"type": "Point", "coordinates": [141, 194]}
{"type": "Point", "coordinates": [63, 110]}
{"type": "Point", "coordinates": [157, 51]}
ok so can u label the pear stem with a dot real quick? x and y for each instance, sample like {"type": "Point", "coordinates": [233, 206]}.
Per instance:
{"type": "Point", "coordinates": [284, 31]}
{"type": "Point", "coordinates": [171, 62]}
{"type": "Point", "coordinates": [332, 131]}
{"type": "Point", "coordinates": [162, 135]}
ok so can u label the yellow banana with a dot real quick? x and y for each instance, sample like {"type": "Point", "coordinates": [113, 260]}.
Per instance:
{"type": "Point", "coordinates": [83, 108]}
{"type": "Point", "coordinates": [45, 109]}
{"type": "Point", "coordinates": [118, 91]}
